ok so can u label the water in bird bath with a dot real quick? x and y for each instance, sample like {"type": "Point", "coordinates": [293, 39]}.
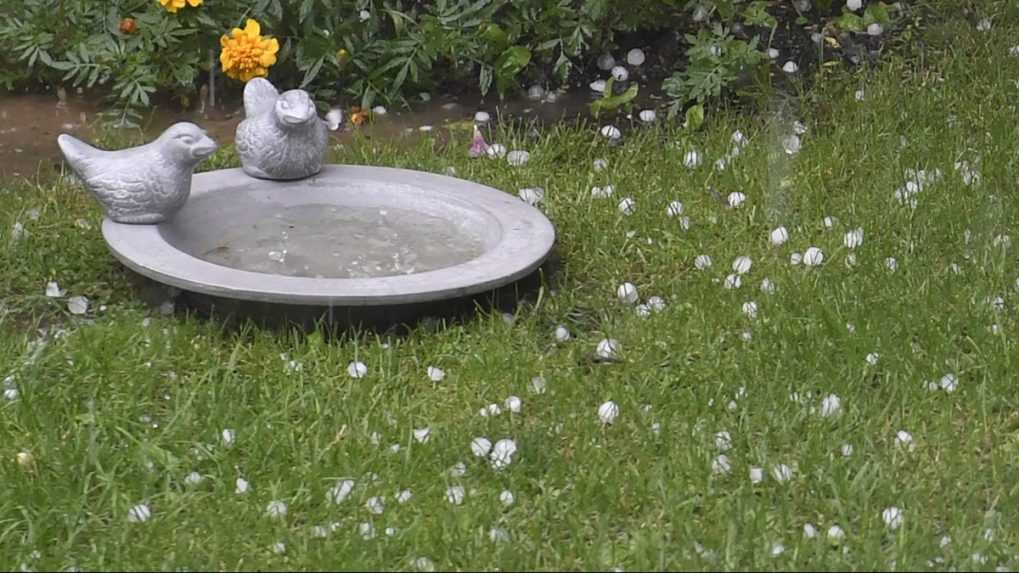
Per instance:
{"type": "Point", "coordinates": [330, 241]}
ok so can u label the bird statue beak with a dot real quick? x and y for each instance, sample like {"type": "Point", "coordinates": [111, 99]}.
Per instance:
{"type": "Point", "coordinates": [204, 148]}
{"type": "Point", "coordinates": [297, 118]}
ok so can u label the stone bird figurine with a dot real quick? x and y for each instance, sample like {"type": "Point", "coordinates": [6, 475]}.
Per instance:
{"type": "Point", "coordinates": [281, 136]}
{"type": "Point", "coordinates": [144, 184]}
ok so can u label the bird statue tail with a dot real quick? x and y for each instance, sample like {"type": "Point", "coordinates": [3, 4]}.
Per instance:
{"type": "Point", "coordinates": [259, 97]}
{"type": "Point", "coordinates": [77, 153]}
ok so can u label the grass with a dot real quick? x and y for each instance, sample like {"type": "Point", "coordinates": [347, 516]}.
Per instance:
{"type": "Point", "coordinates": [117, 408]}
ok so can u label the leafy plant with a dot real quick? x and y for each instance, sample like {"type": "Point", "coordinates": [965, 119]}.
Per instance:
{"type": "Point", "coordinates": [716, 59]}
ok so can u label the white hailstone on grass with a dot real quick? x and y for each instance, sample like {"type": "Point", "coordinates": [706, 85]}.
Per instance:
{"type": "Point", "coordinates": [648, 115]}
{"type": "Point", "coordinates": [600, 164]}
{"type": "Point", "coordinates": [779, 236]}
{"type": "Point", "coordinates": [423, 564]}
{"type": "Point", "coordinates": [627, 293]}
{"type": "Point", "coordinates": [627, 206]}
{"type": "Point", "coordinates": [813, 257]}
{"type": "Point", "coordinates": [276, 509]}
{"type": "Point", "coordinates": [772, 54]}
{"type": "Point", "coordinates": [193, 479]}
{"type": "Point", "coordinates": [892, 264]}
{"type": "Point", "coordinates": [518, 157]}
{"type": "Point", "coordinates": [227, 436]}
{"type": "Point", "coordinates": [791, 144]}
{"type": "Point", "coordinates": [875, 29]}
{"type": "Point", "coordinates": [799, 128]}
{"type": "Point", "coordinates": [846, 450]}
{"type": "Point", "coordinates": [498, 535]}
{"type": "Point", "coordinates": [482, 117]}
{"type": "Point", "coordinates": [736, 199]}
{"type": "Point", "coordinates": [490, 410]}
{"type": "Point", "coordinates": [340, 491]}
{"type": "Point", "coordinates": [606, 62]}
{"type": "Point", "coordinates": [984, 25]}
{"type": "Point", "coordinates": [723, 441]}
{"type": "Point", "coordinates": [692, 159]}
{"type": "Point", "coordinates": [949, 382]}
{"type": "Point", "coordinates": [872, 358]}
{"type": "Point", "coordinates": [750, 309]}
{"type": "Point", "coordinates": [836, 534]}
{"type": "Point", "coordinates": [608, 412]}
{"type": "Point", "coordinates": [892, 516]}
{"type": "Point", "coordinates": [535, 92]}
{"type": "Point", "coordinates": [854, 5]}
{"type": "Point", "coordinates": [436, 374]}
{"type": "Point", "coordinates": [334, 117]}
{"type": "Point", "coordinates": [514, 404]}
{"type": "Point", "coordinates": [366, 530]}
{"type": "Point", "coordinates": [795, 259]}
{"type": "Point", "coordinates": [608, 348]}
{"type": "Point", "coordinates": [1014, 51]}
{"type": "Point", "coordinates": [455, 494]}
{"type": "Point", "coordinates": [721, 465]}
{"type": "Point", "coordinates": [790, 67]}
{"type": "Point", "coordinates": [279, 548]}
{"type": "Point", "coordinates": [904, 439]}
{"type": "Point", "coordinates": [782, 473]}
{"type": "Point", "coordinates": [829, 222]}
{"type": "Point", "coordinates": [53, 290]}
{"type": "Point", "coordinates": [741, 265]}
{"type": "Point", "coordinates": [598, 86]}
{"type": "Point", "coordinates": [860, 95]}
{"type": "Point", "coordinates": [732, 281]}
{"type": "Point", "coordinates": [756, 475]}
{"type": "Point", "coordinates": [502, 453]}
{"type": "Point", "coordinates": [777, 549]}
{"type": "Point", "coordinates": [721, 163]}
{"type": "Point", "coordinates": [379, 110]}
{"type": "Point", "coordinates": [459, 469]}
{"type": "Point", "coordinates": [620, 74]}
{"type": "Point", "coordinates": [656, 304]}
{"type": "Point", "coordinates": [357, 369]}
{"type": "Point", "coordinates": [809, 531]}
{"type": "Point", "coordinates": [767, 287]}
{"type": "Point", "coordinates": [674, 209]}
{"type": "Point", "coordinates": [480, 447]}
{"type": "Point", "coordinates": [425, 128]}
{"type": "Point", "coordinates": [11, 394]}
{"type": "Point", "coordinates": [611, 132]}
{"type": "Point", "coordinates": [77, 305]}
{"type": "Point", "coordinates": [831, 405]}
{"type": "Point", "coordinates": [404, 496]}
{"type": "Point", "coordinates": [506, 497]}
{"type": "Point", "coordinates": [656, 428]}
{"type": "Point", "coordinates": [704, 261]}
{"type": "Point", "coordinates": [747, 335]}
{"type": "Point", "coordinates": [635, 57]}
{"type": "Point", "coordinates": [139, 513]}
{"type": "Point", "coordinates": [241, 486]}
{"type": "Point", "coordinates": [422, 434]}
{"type": "Point", "coordinates": [853, 238]}
{"type": "Point", "coordinates": [562, 334]}
{"type": "Point", "coordinates": [364, 15]}
{"type": "Point", "coordinates": [739, 138]}
{"type": "Point", "coordinates": [496, 151]}
{"type": "Point", "coordinates": [602, 192]}
{"type": "Point", "coordinates": [376, 505]}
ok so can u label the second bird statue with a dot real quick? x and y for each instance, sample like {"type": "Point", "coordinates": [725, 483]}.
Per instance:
{"type": "Point", "coordinates": [281, 136]}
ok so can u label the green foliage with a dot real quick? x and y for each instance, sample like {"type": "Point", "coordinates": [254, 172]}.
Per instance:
{"type": "Point", "coordinates": [716, 60]}
{"type": "Point", "coordinates": [371, 50]}
{"type": "Point", "coordinates": [610, 102]}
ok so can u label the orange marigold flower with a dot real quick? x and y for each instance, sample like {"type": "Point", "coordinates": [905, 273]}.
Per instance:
{"type": "Point", "coordinates": [174, 5]}
{"type": "Point", "coordinates": [246, 54]}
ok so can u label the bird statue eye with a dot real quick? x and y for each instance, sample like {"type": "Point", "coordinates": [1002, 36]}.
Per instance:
{"type": "Point", "coordinates": [186, 139]}
{"type": "Point", "coordinates": [284, 104]}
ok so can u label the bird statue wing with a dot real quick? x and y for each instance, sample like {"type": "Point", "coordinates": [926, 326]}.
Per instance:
{"type": "Point", "coordinates": [259, 97]}
{"type": "Point", "coordinates": [80, 155]}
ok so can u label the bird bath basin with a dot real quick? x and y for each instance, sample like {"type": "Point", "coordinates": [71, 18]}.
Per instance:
{"type": "Point", "coordinates": [368, 239]}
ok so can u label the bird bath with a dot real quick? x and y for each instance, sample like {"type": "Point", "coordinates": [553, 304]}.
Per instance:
{"type": "Point", "coordinates": [353, 242]}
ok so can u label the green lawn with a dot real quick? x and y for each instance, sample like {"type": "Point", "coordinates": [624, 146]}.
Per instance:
{"type": "Point", "coordinates": [116, 408]}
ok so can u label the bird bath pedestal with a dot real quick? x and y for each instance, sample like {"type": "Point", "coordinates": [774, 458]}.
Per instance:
{"type": "Point", "coordinates": [353, 244]}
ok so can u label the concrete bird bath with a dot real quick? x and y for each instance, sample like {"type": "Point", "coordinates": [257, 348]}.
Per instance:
{"type": "Point", "coordinates": [350, 244]}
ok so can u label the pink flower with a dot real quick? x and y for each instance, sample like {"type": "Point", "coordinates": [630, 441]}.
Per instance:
{"type": "Point", "coordinates": [478, 146]}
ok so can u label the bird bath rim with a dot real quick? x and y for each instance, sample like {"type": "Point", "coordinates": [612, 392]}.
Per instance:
{"type": "Point", "coordinates": [523, 239]}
